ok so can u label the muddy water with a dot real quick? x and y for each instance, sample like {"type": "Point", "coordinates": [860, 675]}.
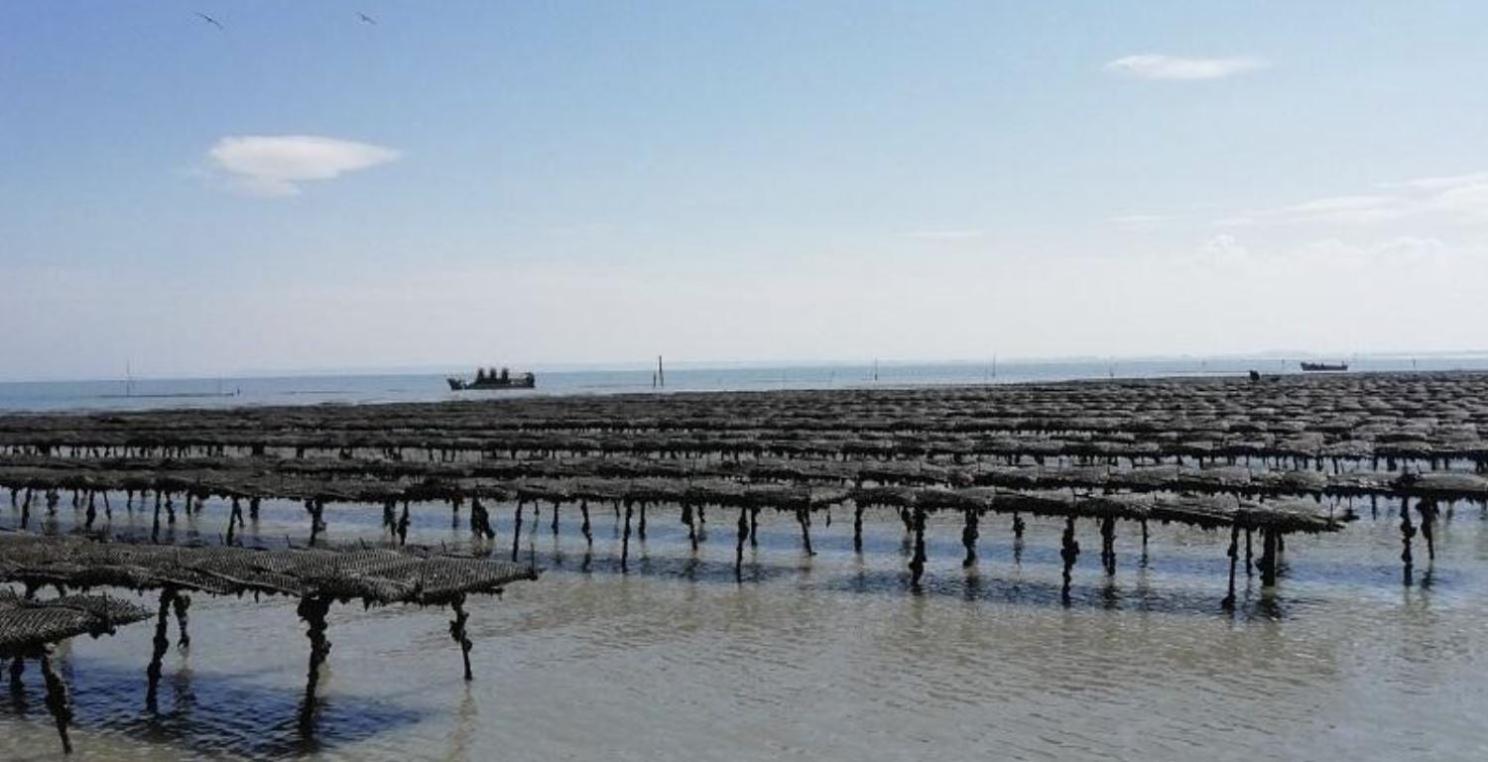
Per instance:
{"type": "Point", "coordinates": [822, 657]}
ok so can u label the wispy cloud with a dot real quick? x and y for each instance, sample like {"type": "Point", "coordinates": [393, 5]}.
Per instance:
{"type": "Point", "coordinates": [947, 235]}
{"type": "Point", "coordinates": [1138, 221]}
{"type": "Point", "coordinates": [1457, 198]}
{"type": "Point", "coordinates": [276, 165]}
{"type": "Point", "coordinates": [1156, 66]}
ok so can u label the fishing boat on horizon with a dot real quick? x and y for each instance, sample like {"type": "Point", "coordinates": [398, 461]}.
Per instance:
{"type": "Point", "coordinates": [1314, 367]}
{"type": "Point", "coordinates": [490, 378]}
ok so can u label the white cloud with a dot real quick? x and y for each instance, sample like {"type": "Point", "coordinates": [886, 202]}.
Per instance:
{"type": "Point", "coordinates": [1155, 66]}
{"type": "Point", "coordinates": [275, 165]}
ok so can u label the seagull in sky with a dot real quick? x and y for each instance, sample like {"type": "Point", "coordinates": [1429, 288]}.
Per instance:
{"type": "Point", "coordinates": [212, 21]}
{"type": "Point", "coordinates": [368, 19]}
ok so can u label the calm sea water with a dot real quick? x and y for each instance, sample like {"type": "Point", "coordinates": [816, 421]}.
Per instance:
{"type": "Point", "coordinates": [144, 394]}
{"type": "Point", "coordinates": [824, 657]}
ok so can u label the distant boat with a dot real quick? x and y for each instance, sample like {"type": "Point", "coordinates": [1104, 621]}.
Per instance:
{"type": "Point", "coordinates": [492, 379]}
{"type": "Point", "coordinates": [1323, 366]}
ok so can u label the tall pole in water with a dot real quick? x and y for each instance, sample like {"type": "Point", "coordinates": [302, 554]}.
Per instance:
{"type": "Point", "coordinates": [660, 374]}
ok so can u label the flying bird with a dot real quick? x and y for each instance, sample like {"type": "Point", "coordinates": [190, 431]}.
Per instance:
{"type": "Point", "coordinates": [212, 21]}
{"type": "Point", "coordinates": [368, 19]}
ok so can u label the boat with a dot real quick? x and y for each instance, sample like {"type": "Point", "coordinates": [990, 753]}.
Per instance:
{"type": "Point", "coordinates": [1312, 367]}
{"type": "Point", "coordinates": [492, 379]}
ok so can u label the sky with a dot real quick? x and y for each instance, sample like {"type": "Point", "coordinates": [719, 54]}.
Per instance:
{"type": "Point", "coordinates": [283, 186]}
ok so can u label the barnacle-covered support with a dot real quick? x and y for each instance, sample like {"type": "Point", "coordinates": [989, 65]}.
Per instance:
{"type": "Point", "coordinates": [687, 518]}
{"type": "Point", "coordinates": [316, 508]}
{"type": "Point", "coordinates": [390, 516]}
{"type": "Point", "coordinates": [234, 519]}
{"type": "Point", "coordinates": [739, 548]}
{"type": "Point", "coordinates": [857, 528]}
{"type": "Point", "coordinates": [556, 504]}
{"type": "Point", "coordinates": [1407, 531]}
{"type": "Point", "coordinates": [625, 541]}
{"type": "Point", "coordinates": [403, 521]}
{"type": "Point", "coordinates": [161, 645]}
{"type": "Point", "coordinates": [803, 517]}
{"type": "Point", "coordinates": [917, 561]}
{"type": "Point", "coordinates": [517, 531]}
{"type": "Point", "coordinates": [754, 526]}
{"type": "Point", "coordinates": [587, 530]}
{"type": "Point", "coordinates": [969, 536]}
{"type": "Point", "coordinates": [57, 701]}
{"type": "Point", "coordinates": [480, 520]}
{"type": "Point", "coordinates": [457, 631]}
{"type": "Point", "coordinates": [1268, 562]}
{"type": "Point", "coordinates": [1428, 511]}
{"type": "Point", "coordinates": [1069, 552]}
{"type": "Point", "coordinates": [641, 526]}
{"type": "Point", "coordinates": [1234, 553]}
{"type": "Point", "coordinates": [1108, 544]}
{"type": "Point", "coordinates": [155, 525]}
{"type": "Point", "coordinates": [313, 609]}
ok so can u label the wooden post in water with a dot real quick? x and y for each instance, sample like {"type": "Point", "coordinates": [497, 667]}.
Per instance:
{"type": "Point", "coordinates": [625, 541]}
{"type": "Point", "coordinates": [517, 529]}
{"type": "Point", "coordinates": [403, 521]}
{"type": "Point", "coordinates": [1428, 511]}
{"type": "Point", "coordinates": [1069, 552]}
{"type": "Point", "coordinates": [56, 698]}
{"type": "Point", "coordinates": [1268, 562]}
{"type": "Point", "coordinates": [161, 645]}
{"type": "Point", "coordinates": [313, 610]}
{"type": "Point", "coordinates": [691, 525]}
{"type": "Point", "coordinates": [1407, 531]}
{"type": "Point", "coordinates": [739, 548]}
{"type": "Point", "coordinates": [1108, 544]}
{"type": "Point", "coordinates": [917, 562]}
{"type": "Point", "coordinates": [969, 536]}
{"type": "Point", "coordinates": [1234, 553]}
{"type": "Point", "coordinates": [458, 634]}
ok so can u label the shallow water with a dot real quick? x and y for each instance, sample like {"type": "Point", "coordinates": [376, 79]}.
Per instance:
{"type": "Point", "coordinates": [823, 657]}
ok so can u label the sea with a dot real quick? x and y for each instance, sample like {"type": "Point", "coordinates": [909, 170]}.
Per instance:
{"type": "Point", "coordinates": [822, 657]}
{"type": "Point", "coordinates": [373, 388]}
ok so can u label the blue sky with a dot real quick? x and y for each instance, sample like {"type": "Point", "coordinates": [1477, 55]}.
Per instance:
{"type": "Point", "coordinates": [599, 182]}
